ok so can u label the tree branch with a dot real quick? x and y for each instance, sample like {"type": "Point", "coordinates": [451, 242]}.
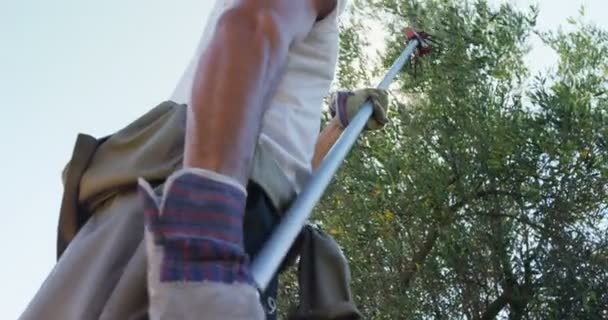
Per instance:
{"type": "Point", "coordinates": [409, 271]}
{"type": "Point", "coordinates": [495, 307]}
{"type": "Point", "coordinates": [479, 195]}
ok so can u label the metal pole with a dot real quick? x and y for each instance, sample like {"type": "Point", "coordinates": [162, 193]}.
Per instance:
{"type": "Point", "coordinates": [269, 259]}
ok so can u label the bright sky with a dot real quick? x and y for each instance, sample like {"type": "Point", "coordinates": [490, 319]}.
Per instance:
{"type": "Point", "coordinates": [93, 67]}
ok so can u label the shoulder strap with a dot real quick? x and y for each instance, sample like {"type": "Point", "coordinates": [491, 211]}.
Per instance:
{"type": "Point", "coordinates": [71, 218]}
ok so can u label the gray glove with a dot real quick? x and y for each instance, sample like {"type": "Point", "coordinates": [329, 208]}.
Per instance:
{"type": "Point", "coordinates": [345, 104]}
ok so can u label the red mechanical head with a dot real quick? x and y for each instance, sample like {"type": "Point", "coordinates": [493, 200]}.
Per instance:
{"type": "Point", "coordinates": [423, 38]}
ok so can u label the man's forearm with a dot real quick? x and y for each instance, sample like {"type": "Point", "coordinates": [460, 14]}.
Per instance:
{"type": "Point", "coordinates": [327, 138]}
{"type": "Point", "coordinates": [234, 79]}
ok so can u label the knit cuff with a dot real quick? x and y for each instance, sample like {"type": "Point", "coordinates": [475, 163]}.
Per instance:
{"type": "Point", "coordinates": [198, 223]}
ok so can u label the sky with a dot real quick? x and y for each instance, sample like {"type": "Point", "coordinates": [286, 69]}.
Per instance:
{"type": "Point", "coordinates": [69, 66]}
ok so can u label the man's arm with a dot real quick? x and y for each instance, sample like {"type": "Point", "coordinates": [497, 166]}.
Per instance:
{"type": "Point", "coordinates": [237, 75]}
{"type": "Point", "coordinates": [327, 139]}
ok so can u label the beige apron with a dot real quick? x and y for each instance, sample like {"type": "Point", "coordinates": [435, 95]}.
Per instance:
{"type": "Point", "coordinates": [101, 267]}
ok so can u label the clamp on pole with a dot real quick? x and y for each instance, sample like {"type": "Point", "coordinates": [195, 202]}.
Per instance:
{"type": "Point", "coordinates": [424, 47]}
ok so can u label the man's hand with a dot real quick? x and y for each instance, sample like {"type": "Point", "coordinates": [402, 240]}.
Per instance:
{"type": "Point", "coordinates": [344, 106]}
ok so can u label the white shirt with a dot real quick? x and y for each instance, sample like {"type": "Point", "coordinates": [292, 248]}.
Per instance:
{"type": "Point", "coordinates": [291, 124]}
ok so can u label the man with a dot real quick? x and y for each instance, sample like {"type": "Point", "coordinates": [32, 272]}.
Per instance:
{"type": "Point", "coordinates": [255, 97]}
{"type": "Point", "coordinates": [253, 93]}
{"type": "Point", "coordinates": [225, 289]}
